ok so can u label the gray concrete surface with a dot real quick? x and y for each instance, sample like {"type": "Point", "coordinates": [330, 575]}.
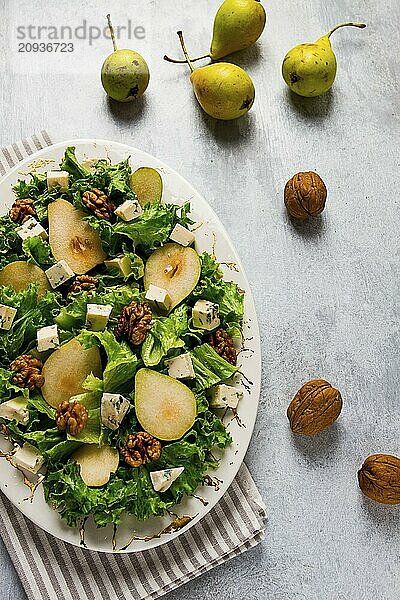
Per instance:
{"type": "Point", "coordinates": [327, 291]}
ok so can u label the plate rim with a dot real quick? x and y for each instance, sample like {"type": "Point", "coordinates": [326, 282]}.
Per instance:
{"type": "Point", "coordinates": [257, 357]}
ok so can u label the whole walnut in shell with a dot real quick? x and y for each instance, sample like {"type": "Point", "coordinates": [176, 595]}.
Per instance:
{"type": "Point", "coordinates": [315, 407]}
{"type": "Point", "coordinates": [305, 195]}
{"type": "Point", "coordinates": [379, 478]}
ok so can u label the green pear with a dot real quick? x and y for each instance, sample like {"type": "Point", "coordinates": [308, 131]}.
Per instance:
{"type": "Point", "coordinates": [237, 25]}
{"type": "Point", "coordinates": [124, 74]}
{"type": "Point", "coordinates": [310, 69]}
{"type": "Point", "coordinates": [223, 90]}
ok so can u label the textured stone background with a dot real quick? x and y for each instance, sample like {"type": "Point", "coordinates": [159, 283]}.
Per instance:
{"type": "Point", "coordinates": [327, 292]}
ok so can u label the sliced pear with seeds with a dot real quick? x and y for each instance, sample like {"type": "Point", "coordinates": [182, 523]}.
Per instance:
{"type": "Point", "coordinates": [174, 268]}
{"type": "Point", "coordinates": [96, 463]}
{"type": "Point", "coordinates": [73, 239]}
{"type": "Point", "coordinates": [20, 274]}
{"type": "Point", "coordinates": [66, 369]}
{"type": "Point", "coordinates": [147, 185]}
{"type": "Point", "coordinates": [165, 407]}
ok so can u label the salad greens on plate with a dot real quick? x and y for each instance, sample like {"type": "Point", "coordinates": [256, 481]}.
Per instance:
{"type": "Point", "coordinates": [117, 343]}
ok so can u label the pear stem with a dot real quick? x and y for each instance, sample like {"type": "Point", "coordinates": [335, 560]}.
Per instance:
{"type": "Point", "coordinates": [111, 28]}
{"type": "Point", "coordinates": [185, 52]}
{"type": "Point", "coordinates": [360, 25]}
{"type": "Point", "coordinates": [180, 62]}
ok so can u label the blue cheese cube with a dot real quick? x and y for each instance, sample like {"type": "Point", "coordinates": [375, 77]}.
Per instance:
{"type": "Point", "coordinates": [181, 367]}
{"type": "Point", "coordinates": [128, 210]}
{"type": "Point", "coordinates": [15, 410]}
{"type": "Point", "coordinates": [113, 409]}
{"type": "Point", "coordinates": [47, 338]}
{"type": "Point", "coordinates": [121, 264]}
{"type": "Point", "coordinates": [182, 236]}
{"type": "Point", "coordinates": [59, 273]}
{"type": "Point", "coordinates": [28, 458]}
{"type": "Point", "coordinates": [159, 298]}
{"type": "Point", "coordinates": [7, 316]}
{"type": "Point", "coordinates": [162, 480]}
{"type": "Point", "coordinates": [205, 315]}
{"type": "Point", "coordinates": [225, 396]}
{"type": "Point", "coordinates": [58, 179]}
{"type": "Point", "coordinates": [31, 228]}
{"type": "Point", "coordinates": [97, 316]}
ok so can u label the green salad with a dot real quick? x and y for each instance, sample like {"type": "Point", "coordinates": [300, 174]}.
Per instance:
{"type": "Point", "coordinates": [116, 342]}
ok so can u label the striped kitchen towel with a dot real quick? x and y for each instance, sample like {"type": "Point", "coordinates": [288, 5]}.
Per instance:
{"type": "Point", "coordinates": [50, 569]}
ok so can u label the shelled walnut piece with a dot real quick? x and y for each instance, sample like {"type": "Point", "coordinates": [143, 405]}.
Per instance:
{"type": "Point", "coordinates": [83, 283]}
{"type": "Point", "coordinates": [140, 448]}
{"type": "Point", "coordinates": [22, 209]}
{"type": "Point", "coordinates": [379, 478]}
{"type": "Point", "coordinates": [28, 372]}
{"type": "Point", "coordinates": [305, 195]}
{"type": "Point", "coordinates": [71, 416]}
{"type": "Point", "coordinates": [315, 407]}
{"type": "Point", "coordinates": [222, 343]}
{"type": "Point", "coordinates": [134, 321]}
{"type": "Point", "coordinates": [99, 203]}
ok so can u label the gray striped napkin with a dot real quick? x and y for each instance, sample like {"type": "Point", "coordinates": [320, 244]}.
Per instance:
{"type": "Point", "coordinates": [54, 570]}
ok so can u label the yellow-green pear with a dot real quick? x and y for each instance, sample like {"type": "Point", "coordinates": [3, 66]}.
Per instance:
{"type": "Point", "coordinates": [237, 25]}
{"type": "Point", "coordinates": [310, 69]}
{"type": "Point", "coordinates": [223, 90]}
{"type": "Point", "coordinates": [124, 74]}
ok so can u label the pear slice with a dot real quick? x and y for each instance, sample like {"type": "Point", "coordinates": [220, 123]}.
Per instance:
{"type": "Point", "coordinates": [165, 407]}
{"type": "Point", "coordinates": [73, 239]}
{"type": "Point", "coordinates": [96, 463]}
{"type": "Point", "coordinates": [174, 268]}
{"type": "Point", "coordinates": [20, 274]}
{"type": "Point", "coordinates": [147, 185]}
{"type": "Point", "coordinates": [66, 369]}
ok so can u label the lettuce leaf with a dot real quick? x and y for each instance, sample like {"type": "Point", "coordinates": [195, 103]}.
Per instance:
{"type": "Point", "coordinates": [165, 336]}
{"type": "Point", "coordinates": [225, 293]}
{"type": "Point", "coordinates": [128, 490]}
{"type": "Point", "coordinates": [10, 242]}
{"type": "Point", "coordinates": [8, 389]}
{"type": "Point", "coordinates": [36, 188]}
{"type": "Point", "coordinates": [210, 368]}
{"type": "Point", "coordinates": [33, 313]}
{"type": "Point", "coordinates": [122, 363]}
{"type": "Point", "coordinates": [73, 316]}
{"type": "Point", "coordinates": [153, 227]}
{"type": "Point", "coordinates": [38, 252]}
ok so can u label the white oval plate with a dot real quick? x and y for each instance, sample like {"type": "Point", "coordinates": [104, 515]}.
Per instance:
{"type": "Point", "coordinates": [212, 237]}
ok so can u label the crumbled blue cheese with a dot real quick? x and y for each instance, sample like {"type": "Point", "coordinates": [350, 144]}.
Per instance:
{"type": "Point", "coordinates": [121, 263]}
{"type": "Point", "coordinates": [162, 480]}
{"type": "Point", "coordinates": [182, 236]}
{"type": "Point", "coordinates": [159, 298]}
{"type": "Point", "coordinates": [181, 367]}
{"type": "Point", "coordinates": [113, 409]}
{"type": "Point", "coordinates": [47, 338]}
{"type": "Point", "coordinates": [28, 458]}
{"type": "Point", "coordinates": [31, 228]}
{"type": "Point", "coordinates": [97, 316]}
{"type": "Point", "coordinates": [225, 396]}
{"type": "Point", "coordinates": [7, 316]}
{"type": "Point", "coordinates": [128, 210]}
{"type": "Point", "coordinates": [205, 315]}
{"type": "Point", "coordinates": [58, 179]}
{"type": "Point", "coordinates": [15, 410]}
{"type": "Point", "coordinates": [59, 273]}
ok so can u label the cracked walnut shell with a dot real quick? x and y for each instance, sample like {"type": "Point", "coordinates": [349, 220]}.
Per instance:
{"type": "Point", "coordinates": [379, 478]}
{"type": "Point", "coordinates": [305, 195]}
{"type": "Point", "coordinates": [140, 448]}
{"type": "Point", "coordinates": [315, 407]}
